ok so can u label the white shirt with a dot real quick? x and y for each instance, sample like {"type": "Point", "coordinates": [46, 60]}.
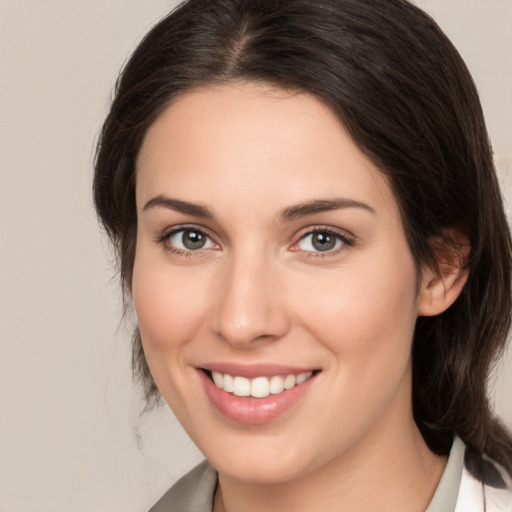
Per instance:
{"type": "Point", "coordinates": [471, 496]}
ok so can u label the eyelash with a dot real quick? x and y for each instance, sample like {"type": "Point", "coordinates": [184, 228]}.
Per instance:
{"type": "Point", "coordinates": [346, 241]}
{"type": "Point", "coordinates": [165, 237]}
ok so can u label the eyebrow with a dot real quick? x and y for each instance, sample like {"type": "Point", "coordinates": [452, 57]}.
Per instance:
{"type": "Point", "coordinates": [321, 205]}
{"type": "Point", "coordinates": [288, 214]}
{"type": "Point", "coordinates": [195, 210]}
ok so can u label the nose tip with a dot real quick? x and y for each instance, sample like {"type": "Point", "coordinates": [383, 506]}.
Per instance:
{"type": "Point", "coordinates": [250, 308]}
{"type": "Point", "coordinates": [245, 333]}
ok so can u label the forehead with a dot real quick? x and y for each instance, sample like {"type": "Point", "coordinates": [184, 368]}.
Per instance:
{"type": "Point", "coordinates": [253, 142]}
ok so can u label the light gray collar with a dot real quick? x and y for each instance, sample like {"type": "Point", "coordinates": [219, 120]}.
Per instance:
{"type": "Point", "coordinates": [447, 492]}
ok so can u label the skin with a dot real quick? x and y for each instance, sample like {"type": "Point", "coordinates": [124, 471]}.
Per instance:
{"type": "Point", "coordinates": [259, 292]}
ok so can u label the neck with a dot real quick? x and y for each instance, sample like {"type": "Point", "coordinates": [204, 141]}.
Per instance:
{"type": "Point", "coordinates": [387, 471]}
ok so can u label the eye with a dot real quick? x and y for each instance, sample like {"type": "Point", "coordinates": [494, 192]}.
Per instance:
{"type": "Point", "coordinates": [322, 241]}
{"type": "Point", "coordinates": [189, 239]}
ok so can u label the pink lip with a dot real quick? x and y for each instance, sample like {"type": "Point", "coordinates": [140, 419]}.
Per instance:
{"type": "Point", "coordinates": [250, 410]}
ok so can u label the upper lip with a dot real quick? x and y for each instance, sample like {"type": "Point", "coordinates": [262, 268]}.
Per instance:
{"type": "Point", "coordinates": [251, 371]}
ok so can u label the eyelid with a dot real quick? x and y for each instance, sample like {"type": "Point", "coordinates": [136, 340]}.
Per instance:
{"type": "Point", "coordinates": [347, 239]}
{"type": "Point", "coordinates": [168, 233]}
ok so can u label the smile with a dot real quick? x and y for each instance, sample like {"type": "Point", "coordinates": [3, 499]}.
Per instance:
{"type": "Point", "coordinates": [255, 394]}
{"type": "Point", "coordinates": [259, 387]}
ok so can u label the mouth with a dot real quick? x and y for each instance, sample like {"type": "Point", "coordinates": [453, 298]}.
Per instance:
{"type": "Point", "coordinates": [259, 386]}
{"type": "Point", "coordinates": [255, 394]}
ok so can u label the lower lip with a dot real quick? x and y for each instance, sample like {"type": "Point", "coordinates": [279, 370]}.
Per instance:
{"type": "Point", "coordinates": [251, 410]}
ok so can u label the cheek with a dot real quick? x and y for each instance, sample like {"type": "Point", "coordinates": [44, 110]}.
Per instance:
{"type": "Point", "coordinates": [366, 321]}
{"type": "Point", "coordinates": [167, 315]}
{"type": "Point", "coordinates": [365, 314]}
{"type": "Point", "coordinates": [170, 310]}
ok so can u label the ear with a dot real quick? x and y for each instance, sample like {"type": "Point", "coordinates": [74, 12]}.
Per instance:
{"type": "Point", "coordinates": [440, 287]}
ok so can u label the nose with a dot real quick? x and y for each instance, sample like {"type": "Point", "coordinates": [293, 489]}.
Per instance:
{"type": "Point", "coordinates": [250, 307]}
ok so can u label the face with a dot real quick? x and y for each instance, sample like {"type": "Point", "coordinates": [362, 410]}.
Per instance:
{"type": "Point", "coordinates": [271, 259]}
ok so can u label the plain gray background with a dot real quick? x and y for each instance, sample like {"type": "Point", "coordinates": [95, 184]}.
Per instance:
{"type": "Point", "coordinates": [68, 411]}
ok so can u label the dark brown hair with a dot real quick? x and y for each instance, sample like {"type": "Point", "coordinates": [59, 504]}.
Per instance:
{"type": "Point", "coordinates": [406, 97]}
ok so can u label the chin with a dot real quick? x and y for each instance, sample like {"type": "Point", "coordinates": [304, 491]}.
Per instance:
{"type": "Point", "coordinates": [270, 461]}
{"type": "Point", "coordinates": [251, 472]}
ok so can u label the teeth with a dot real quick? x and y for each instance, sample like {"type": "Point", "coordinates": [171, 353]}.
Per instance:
{"type": "Point", "coordinates": [290, 381]}
{"type": "Point", "coordinates": [241, 386]}
{"type": "Point", "coordinates": [303, 377]}
{"type": "Point", "coordinates": [276, 384]}
{"type": "Point", "coordinates": [259, 387]}
{"type": "Point", "coordinates": [218, 378]}
{"type": "Point", "coordinates": [227, 384]}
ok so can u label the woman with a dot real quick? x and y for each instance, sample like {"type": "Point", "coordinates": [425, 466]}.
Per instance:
{"type": "Point", "coordinates": [303, 202]}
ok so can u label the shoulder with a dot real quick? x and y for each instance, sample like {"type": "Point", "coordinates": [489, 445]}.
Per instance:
{"type": "Point", "coordinates": [485, 486]}
{"type": "Point", "coordinates": [192, 493]}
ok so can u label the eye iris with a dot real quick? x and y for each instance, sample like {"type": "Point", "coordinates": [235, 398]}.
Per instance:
{"type": "Point", "coordinates": [323, 241]}
{"type": "Point", "coordinates": [193, 240]}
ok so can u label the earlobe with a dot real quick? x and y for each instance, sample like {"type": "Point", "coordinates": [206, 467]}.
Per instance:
{"type": "Point", "coordinates": [441, 286]}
